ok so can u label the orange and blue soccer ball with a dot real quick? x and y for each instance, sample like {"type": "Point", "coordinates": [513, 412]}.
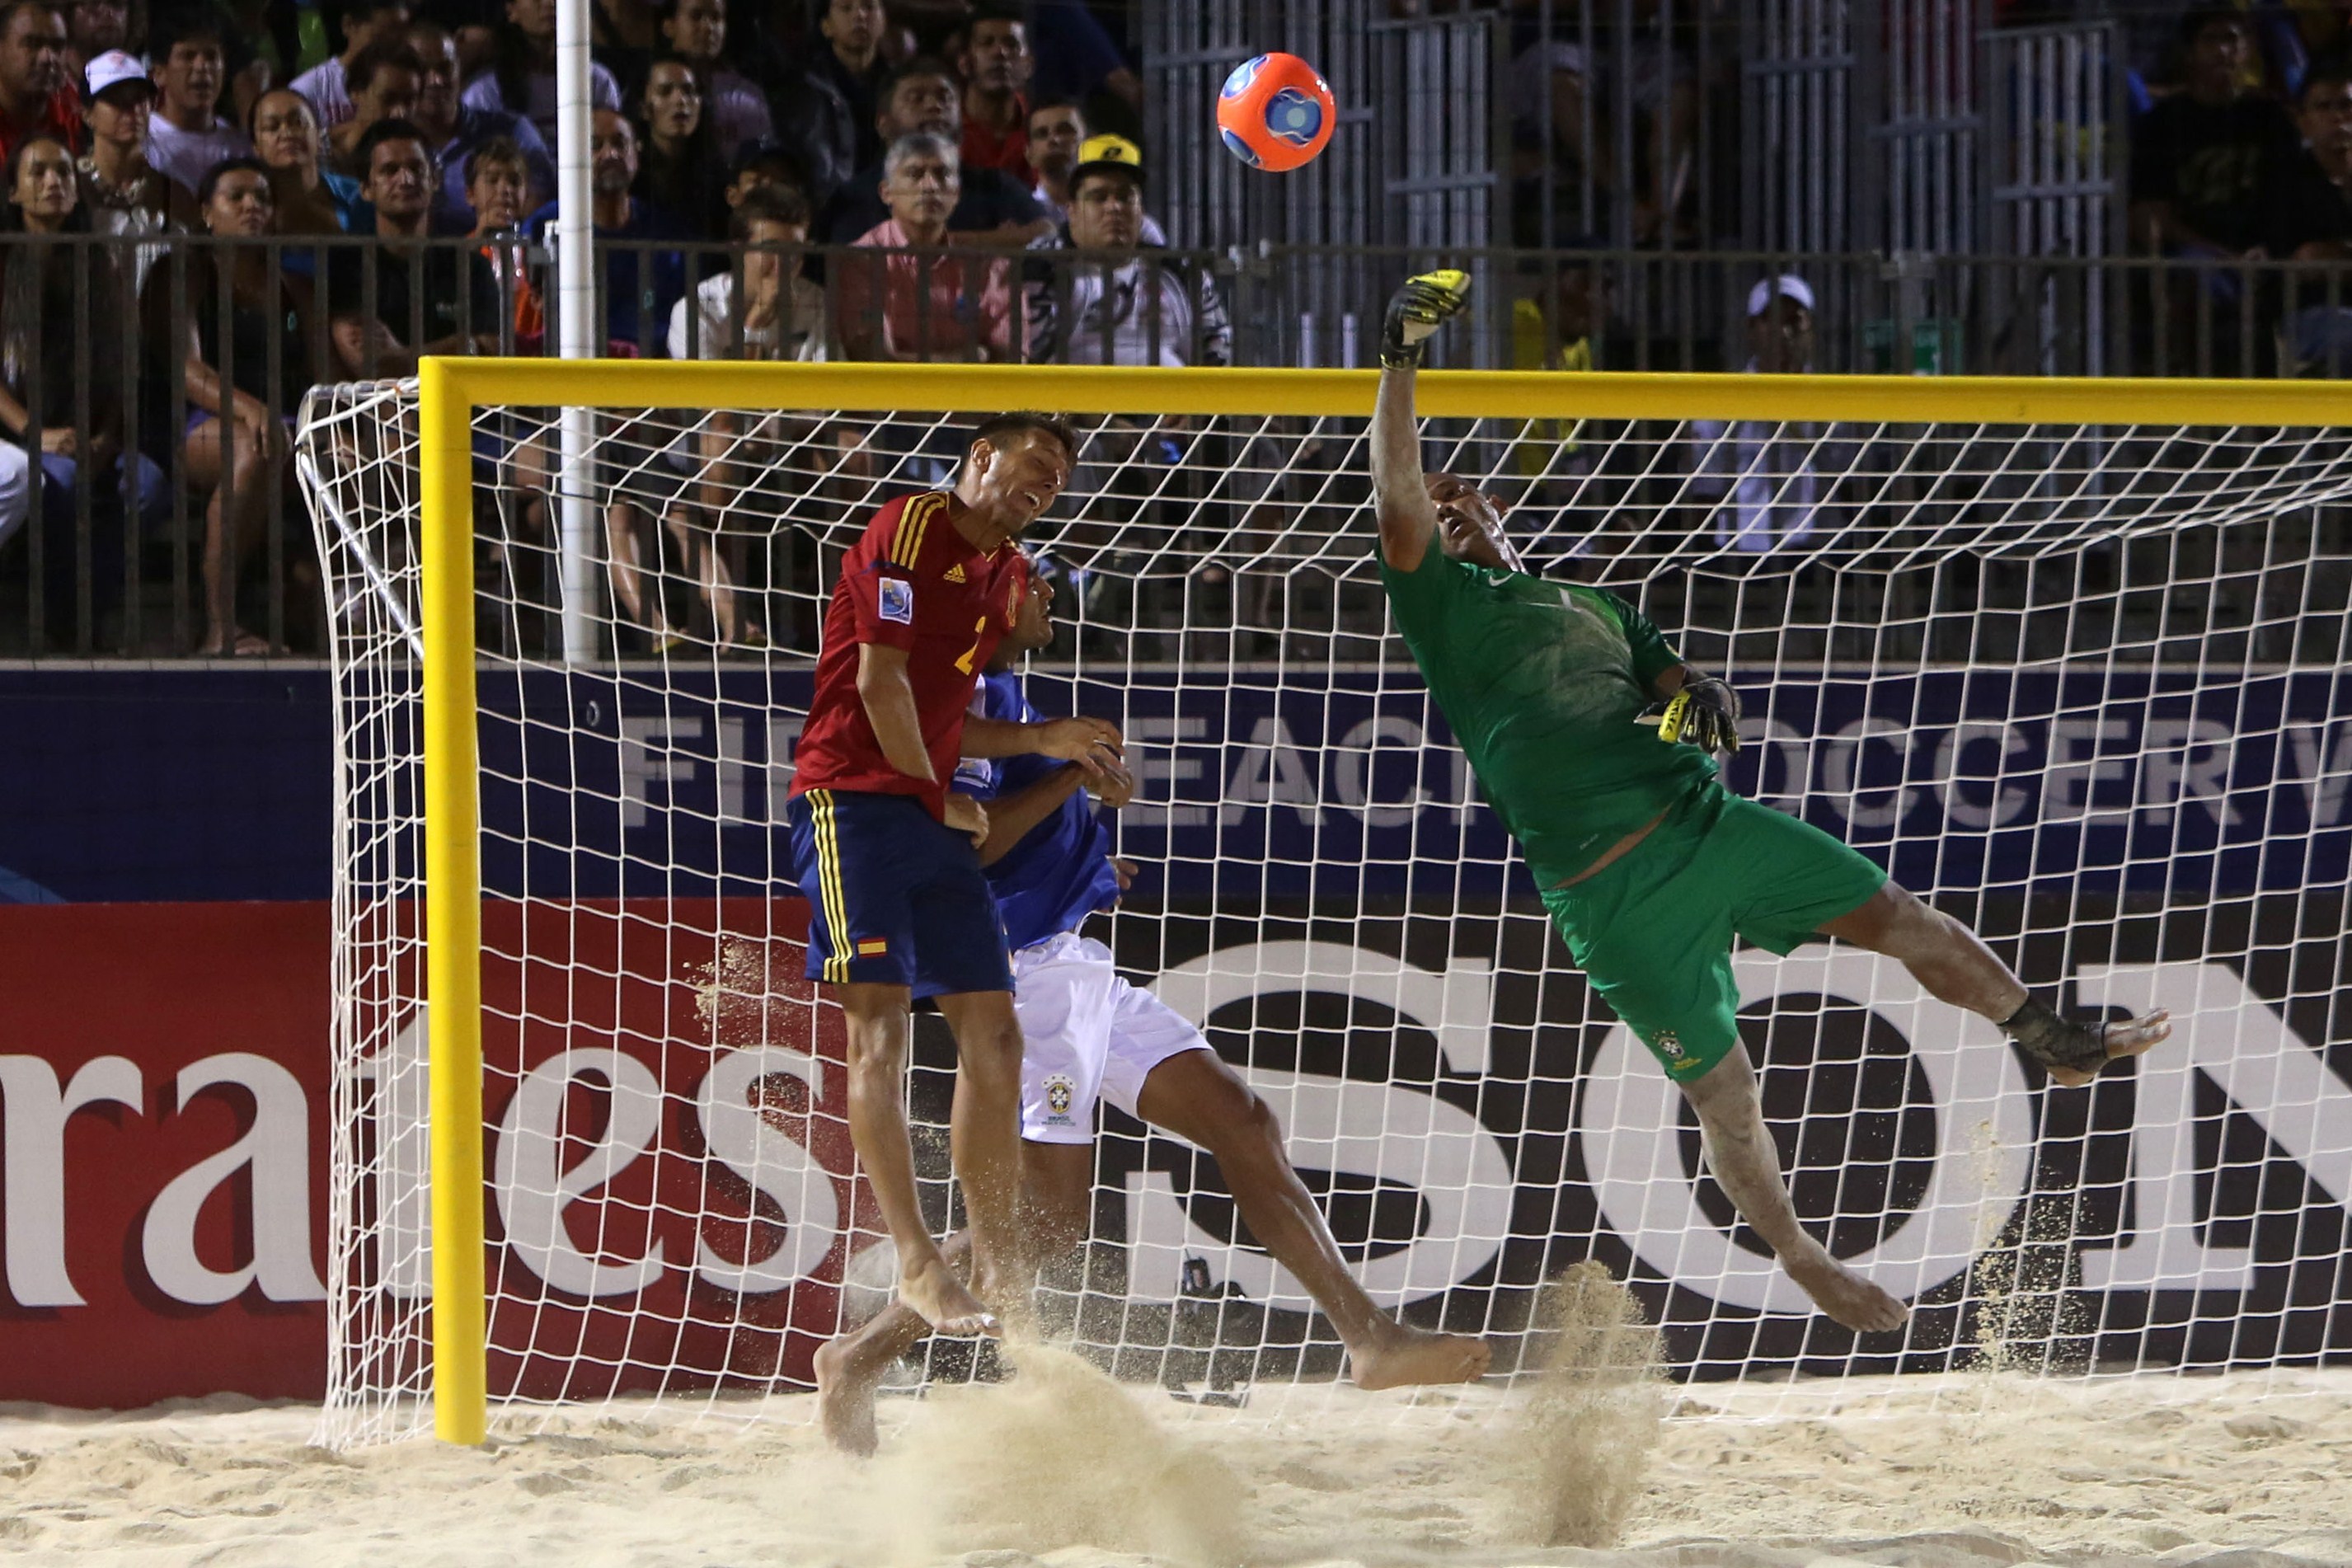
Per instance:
{"type": "Point", "coordinates": [1275, 112]}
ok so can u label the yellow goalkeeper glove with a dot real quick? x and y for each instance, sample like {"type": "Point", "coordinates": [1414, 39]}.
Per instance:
{"type": "Point", "coordinates": [1416, 312]}
{"type": "Point", "coordinates": [1705, 712]}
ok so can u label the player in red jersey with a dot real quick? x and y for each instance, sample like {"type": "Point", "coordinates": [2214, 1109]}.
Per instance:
{"type": "Point", "coordinates": [897, 906]}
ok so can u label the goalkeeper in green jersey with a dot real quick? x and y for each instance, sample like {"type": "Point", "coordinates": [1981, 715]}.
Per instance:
{"type": "Point", "coordinates": [1648, 866]}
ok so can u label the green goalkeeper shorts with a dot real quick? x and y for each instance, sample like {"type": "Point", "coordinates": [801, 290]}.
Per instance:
{"type": "Point", "coordinates": [1653, 931]}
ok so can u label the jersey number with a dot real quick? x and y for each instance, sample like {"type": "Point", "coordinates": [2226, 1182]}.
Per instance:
{"type": "Point", "coordinates": [964, 660]}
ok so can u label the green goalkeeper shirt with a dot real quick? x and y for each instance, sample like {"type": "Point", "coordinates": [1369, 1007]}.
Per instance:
{"type": "Point", "coordinates": [1544, 684]}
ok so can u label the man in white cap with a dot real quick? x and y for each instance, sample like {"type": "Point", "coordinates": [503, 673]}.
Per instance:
{"type": "Point", "coordinates": [1762, 476]}
{"type": "Point", "coordinates": [124, 193]}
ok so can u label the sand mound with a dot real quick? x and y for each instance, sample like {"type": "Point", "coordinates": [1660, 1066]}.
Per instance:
{"type": "Point", "coordinates": [1570, 1461]}
{"type": "Point", "coordinates": [1059, 1457]}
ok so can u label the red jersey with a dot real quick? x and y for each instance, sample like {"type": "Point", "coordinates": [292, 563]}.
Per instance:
{"type": "Point", "coordinates": [911, 582]}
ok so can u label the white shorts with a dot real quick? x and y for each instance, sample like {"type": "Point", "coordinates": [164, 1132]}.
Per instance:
{"type": "Point", "coordinates": [1085, 1034]}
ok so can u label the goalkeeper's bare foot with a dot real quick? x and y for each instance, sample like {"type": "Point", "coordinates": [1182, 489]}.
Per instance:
{"type": "Point", "coordinates": [1844, 1296]}
{"type": "Point", "coordinates": [847, 1377]}
{"type": "Point", "coordinates": [2135, 1037]}
{"type": "Point", "coordinates": [1403, 1357]}
{"type": "Point", "coordinates": [933, 1293]}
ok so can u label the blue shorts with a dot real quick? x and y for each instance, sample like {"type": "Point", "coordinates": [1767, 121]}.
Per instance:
{"type": "Point", "coordinates": [895, 896]}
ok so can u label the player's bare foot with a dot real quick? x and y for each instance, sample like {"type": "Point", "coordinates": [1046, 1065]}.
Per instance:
{"type": "Point", "coordinates": [1844, 1296]}
{"type": "Point", "coordinates": [2135, 1037]}
{"type": "Point", "coordinates": [933, 1293]}
{"type": "Point", "coordinates": [844, 1395]}
{"type": "Point", "coordinates": [1403, 1357]}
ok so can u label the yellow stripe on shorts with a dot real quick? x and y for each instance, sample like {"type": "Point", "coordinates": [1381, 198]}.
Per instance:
{"type": "Point", "coordinates": [825, 832]}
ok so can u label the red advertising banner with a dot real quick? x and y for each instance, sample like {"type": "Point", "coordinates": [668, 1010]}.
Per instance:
{"type": "Point", "coordinates": [671, 1198]}
{"type": "Point", "coordinates": [163, 1076]}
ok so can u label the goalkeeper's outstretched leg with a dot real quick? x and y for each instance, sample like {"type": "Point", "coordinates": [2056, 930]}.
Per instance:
{"type": "Point", "coordinates": [1196, 1096]}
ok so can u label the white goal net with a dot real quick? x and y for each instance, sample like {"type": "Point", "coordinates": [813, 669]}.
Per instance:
{"type": "Point", "coordinates": [2081, 687]}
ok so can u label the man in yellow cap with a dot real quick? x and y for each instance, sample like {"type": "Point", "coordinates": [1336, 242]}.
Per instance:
{"type": "Point", "coordinates": [1096, 293]}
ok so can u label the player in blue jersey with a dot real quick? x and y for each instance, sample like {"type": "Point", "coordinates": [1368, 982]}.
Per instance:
{"type": "Point", "coordinates": [1088, 1034]}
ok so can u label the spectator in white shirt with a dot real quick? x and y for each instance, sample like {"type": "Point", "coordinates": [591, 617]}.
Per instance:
{"type": "Point", "coordinates": [187, 135]}
{"type": "Point", "coordinates": [785, 315]}
{"type": "Point", "coordinates": [1763, 479]}
{"type": "Point", "coordinates": [326, 84]}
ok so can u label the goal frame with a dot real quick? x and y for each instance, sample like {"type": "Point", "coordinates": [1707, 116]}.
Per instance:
{"type": "Point", "coordinates": [450, 389]}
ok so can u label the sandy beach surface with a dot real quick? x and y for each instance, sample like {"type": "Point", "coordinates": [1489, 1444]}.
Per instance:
{"type": "Point", "coordinates": [1062, 1467]}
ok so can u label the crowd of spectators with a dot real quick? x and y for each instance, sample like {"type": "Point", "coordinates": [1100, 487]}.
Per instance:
{"type": "Point", "coordinates": [302, 194]}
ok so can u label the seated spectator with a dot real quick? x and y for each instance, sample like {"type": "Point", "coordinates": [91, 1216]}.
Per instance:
{"type": "Point", "coordinates": [830, 107]}
{"type": "Point", "coordinates": [1105, 298]}
{"type": "Point", "coordinates": [640, 284]}
{"type": "Point", "coordinates": [94, 27]}
{"type": "Point", "coordinates": [1057, 127]}
{"type": "Point", "coordinates": [624, 33]}
{"type": "Point", "coordinates": [497, 193]}
{"type": "Point", "coordinates": [235, 448]}
{"type": "Point", "coordinates": [680, 171]}
{"type": "Point", "coordinates": [124, 192]}
{"type": "Point", "coordinates": [389, 305]}
{"type": "Point", "coordinates": [738, 110]}
{"type": "Point", "coordinates": [996, 65]}
{"type": "Point", "coordinates": [2304, 214]}
{"type": "Point", "coordinates": [456, 130]}
{"type": "Point", "coordinates": [2197, 156]}
{"type": "Point", "coordinates": [364, 22]}
{"type": "Point", "coordinates": [383, 82]}
{"type": "Point", "coordinates": [923, 98]}
{"type": "Point", "coordinates": [284, 129]}
{"type": "Point", "coordinates": [188, 137]}
{"type": "Point", "coordinates": [37, 95]}
{"type": "Point", "coordinates": [762, 163]}
{"type": "Point", "coordinates": [1761, 477]}
{"type": "Point", "coordinates": [785, 315]}
{"type": "Point", "coordinates": [922, 308]}
{"type": "Point", "coordinates": [55, 309]}
{"type": "Point", "coordinates": [522, 78]}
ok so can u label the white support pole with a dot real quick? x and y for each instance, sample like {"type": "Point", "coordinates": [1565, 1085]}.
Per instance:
{"type": "Point", "coordinates": [578, 325]}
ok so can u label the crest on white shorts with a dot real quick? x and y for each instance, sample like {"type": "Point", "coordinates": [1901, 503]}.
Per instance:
{"type": "Point", "coordinates": [1060, 1091]}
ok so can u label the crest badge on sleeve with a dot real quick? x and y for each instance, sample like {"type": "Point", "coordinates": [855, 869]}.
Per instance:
{"type": "Point", "coordinates": [896, 601]}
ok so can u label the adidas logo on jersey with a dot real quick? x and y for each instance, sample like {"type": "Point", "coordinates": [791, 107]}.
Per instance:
{"type": "Point", "coordinates": [955, 573]}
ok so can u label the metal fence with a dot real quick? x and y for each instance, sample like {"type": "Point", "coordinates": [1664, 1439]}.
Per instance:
{"type": "Point", "coordinates": [148, 525]}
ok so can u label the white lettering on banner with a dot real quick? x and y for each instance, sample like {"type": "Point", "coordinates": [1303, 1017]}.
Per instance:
{"type": "Point", "coordinates": [2009, 802]}
{"type": "Point", "coordinates": [732, 797]}
{"type": "Point", "coordinates": [1160, 768]}
{"type": "Point", "coordinates": [532, 1189]}
{"type": "Point", "coordinates": [1353, 769]}
{"type": "Point", "coordinates": [649, 755]}
{"type": "Point", "coordinates": [33, 1181]}
{"type": "Point", "coordinates": [2222, 1030]}
{"type": "Point", "coordinates": [1628, 1115]}
{"type": "Point", "coordinates": [402, 1171]}
{"type": "Point", "coordinates": [2323, 782]}
{"type": "Point", "coordinates": [2187, 763]}
{"type": "Point", "coordinates": [1842, 770]}
{"type": "Point", "coordinates": [741, 1139]}
{"type": "Point", "coordinates": [1384, 1132]}
{"type": "Point", "coordinates": [278, 1150]}
{"type": "Point", "coordinates": [2070, 788]}
{"type": "Point", "coordinates": [1272, 771]}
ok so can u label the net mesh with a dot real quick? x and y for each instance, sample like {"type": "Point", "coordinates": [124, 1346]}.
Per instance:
{"type": "Point", "coordinates": [2079, 686]}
